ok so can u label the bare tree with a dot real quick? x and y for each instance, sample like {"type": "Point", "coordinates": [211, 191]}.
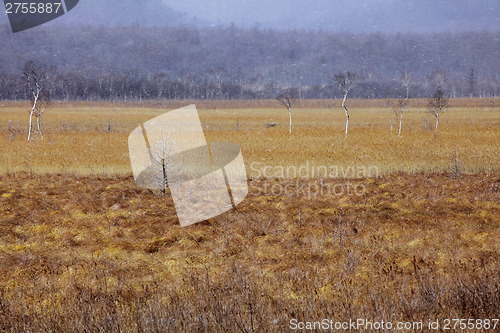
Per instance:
{"type": "Point", "coordinates": [438, 103]}
{"type": "Point", "coordinates": [402, 103]}
{"type": "Point", "coordinates": [287, 98]}
{"type": "Point", "coordinates": [438, 78]}
{"type": "Point", "coordinates": [471, 82]}
{"type": "Point", "coordinates": [164, 169]}
{"type": "Point", "coordinates": [407, 81]}
{"type": "Point", "coordinates": [38, 79]}
{"type": "Point", "coordinates": [346, 82]}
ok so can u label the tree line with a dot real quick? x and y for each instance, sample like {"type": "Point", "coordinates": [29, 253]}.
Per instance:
{"type": "Point", "coordinates": [95, 63]}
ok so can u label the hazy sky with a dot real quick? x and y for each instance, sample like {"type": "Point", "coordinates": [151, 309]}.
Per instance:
{"type": "Point", "coordinates": [352, 15]}
{"type": "Point", "coordinates": [332, 15]}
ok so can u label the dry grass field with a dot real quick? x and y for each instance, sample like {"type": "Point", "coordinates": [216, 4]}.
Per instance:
{"type": "Point", "coordinates": [83, 249]}
{"type": "Point", "coordinates": [78, 142]}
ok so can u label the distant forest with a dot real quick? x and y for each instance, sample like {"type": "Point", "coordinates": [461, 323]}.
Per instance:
{"type": "Point", "coordinates": [134, 62]}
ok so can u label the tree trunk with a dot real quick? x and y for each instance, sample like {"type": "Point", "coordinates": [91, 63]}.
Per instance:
{"type": "Point", "coordinates": [400, 121]}
{"type": "Point", "coordinates": [346, 114]}
{"type": "Point", "coordinates": [390, 117]}
{"type": "Point", "coordinates": [35, 95]}
{"type": "Point", "coordinates": [437, 121]}
{"type": "Point", "coordinates": [30, 126]}
{"type": "Point", "coordinates": [290, 115]}
{"type": "Point", "coordinates": [164, 177]}
{"type": "Point", "coordinates": [38, 125]}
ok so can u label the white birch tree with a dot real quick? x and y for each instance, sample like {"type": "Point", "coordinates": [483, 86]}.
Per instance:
{"type": "Point", "coordinates": [38, 79]}
{"type": "Point", "coordinates": [287, 98]}
{"type": "Point", "coordinates": [346, 82]}
{"type": "Point", "coordinates": [438, 103]}
{"type": "Point", "coordinates": [407, 81]}
{"type": "Point", "coordinates": [402, 103]}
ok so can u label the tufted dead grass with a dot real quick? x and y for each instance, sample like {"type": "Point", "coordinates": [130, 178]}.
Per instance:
{"type": "Point", "coordinates": [83, 249]}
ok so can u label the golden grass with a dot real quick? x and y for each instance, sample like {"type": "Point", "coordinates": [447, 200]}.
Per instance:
{"type": "Point", "coordinates": [83, 249]}
{"type": "Point", "coordinates": [77, 140]}
{"type": "Point", "coordinates": [99, 254]}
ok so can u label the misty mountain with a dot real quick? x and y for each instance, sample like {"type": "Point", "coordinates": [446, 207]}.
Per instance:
{"type": "Point", "coordinates": [386, 16]}
{"type": "Point", "coordinates": [231, 62]}
{"type": "Point", "coordinates": [352, 16]}
{"type": "Point", "coordinates": [172, 49]}
{"type": "Point", "coordinates": [126, 12]}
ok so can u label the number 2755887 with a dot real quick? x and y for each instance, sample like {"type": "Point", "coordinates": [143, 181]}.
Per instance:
{"type": "Point", "coordinates": [33, 8]}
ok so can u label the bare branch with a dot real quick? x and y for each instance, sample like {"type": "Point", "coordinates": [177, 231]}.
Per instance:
{"type": "Point", "coordinates": [407, 80]}
{"type": "Point", "coordinates": [38, 79]}
{"type": "Point", "coordinates": [438, 103]}
{"type": "Point", "coordinates": [287, 98]}
{"type": "Point", "coordinates": [346, 82]}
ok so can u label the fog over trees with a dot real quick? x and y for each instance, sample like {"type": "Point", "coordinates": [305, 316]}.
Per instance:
{"type": "Point", "coordinates": [387, 16]}
{"type": "Point", "coordinates": [137, 62]}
